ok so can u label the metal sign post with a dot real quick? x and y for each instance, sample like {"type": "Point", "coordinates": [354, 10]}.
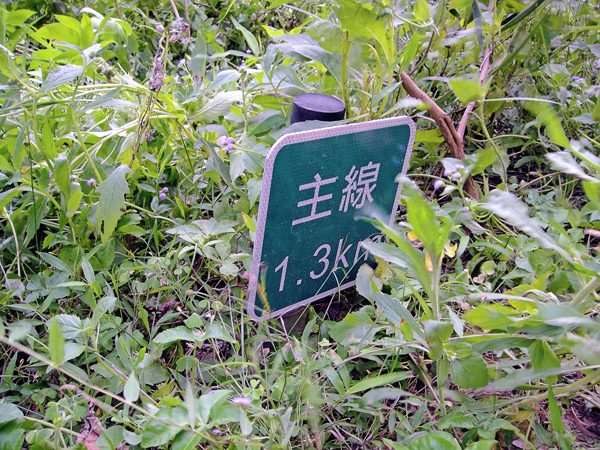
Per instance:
{"type": "Point", "coordinates": [317, 185]}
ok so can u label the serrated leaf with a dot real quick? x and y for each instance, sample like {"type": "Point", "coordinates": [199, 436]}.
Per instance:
{"type": "Point", "coordinates": [112, 199]}
{"type": "Point", "coordinates": [56, 343]}
{"type": "Point", "coordinates": [470, 372]}
{"type": "Point", "coordinates": [131, 391]}
{"type": "Point", "coordinates": [70, 326]}
{"type": "Point", "coordinates": [61, 75]}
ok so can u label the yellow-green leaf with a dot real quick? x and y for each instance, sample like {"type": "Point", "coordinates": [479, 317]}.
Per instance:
{"type": "Point", "coordinates": [56, 344]}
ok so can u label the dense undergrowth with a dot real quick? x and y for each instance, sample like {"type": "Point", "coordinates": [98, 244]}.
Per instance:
{"type": "Point", "coordinates": [132, 145]}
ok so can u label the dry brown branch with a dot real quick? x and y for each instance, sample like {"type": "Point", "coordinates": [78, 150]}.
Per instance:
{"type": "Point", "coordinates": [444, 122]}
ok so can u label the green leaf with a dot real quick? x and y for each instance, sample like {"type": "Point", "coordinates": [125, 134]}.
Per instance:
{"type": "Point", "coordinates": [75, 196]}
{"type": "Point", "coordinates": [106, 304]}
{"type": "Point", "coordinates": [565, 162]}
{"type": "Point", "coordinates": [112, 199]}
{"type": "Point", "coordinates": [48, 147]}
{"type": "Point", "coordinates": [158, 433]}
{"type": "Point", "coordinates": [131, 391]}
{"type": "Point", "coordinates": [555, 415]}
{"type": "Point", "coordinates": [70, 326]}
{"type": "Point", "coordinates": [250, 39]}
{"type": "Point", "coordinates": [434, 440]}
{"type": "Point", "coordinates": [61, 75]}
{"type": "Point", "coordinates": [73, 350]}
{"type": "Point", "coordinates": [7, 64]}
{"type": "Point", "coordinates": [198, 58]}
{"type": "Point", "coordinates": [186, 440]}
{"type": "Point", "coordinates": [88, 271]}
{"type": "Point", "coordinates": [250, 223]}
{"type": "Point", "coordinates": [437, 333]}
{"type": "Point", "coordinates": [487, 444]}
{"type": "Point", "coordinates": [56, 343]}
{"type": "Point", "coordinates": [55, 262]}
{"type": "Point", "coordinates": [360, 21]}
{"type": "Point", "coordinates": [422, 11]}
{"type": "Point", "coordinates": [596, 111]}
{"type": "Point", "coordinates": [467, 90]}
{"type": "Point", "coordinates": [470, 372]}
{"type": "Point", "coordinates": [19, 150]}
{"type": "Point", "coordinates": [381, 380]}
{"type": "Point", "coordinates": [546, 116]}
{"type": "Point", "coordinates": [173, 335]}
{"type": "Point", "coordinates": [110, 439]}
{"type": "Point", "coordinates": [217, 106]}
{"type": "Point", "coordinates": [9, 412]}
{"type": "Point", "coordinates": [514, 211]}
{"type": "Point", "coordinates": [61, 175]}
{"type": "Point", "coordinates": [245, 424]}
{"type": "Point", "coordinates": [542, 356]}
{"type": "Point", "coordinates": [18, 17]}
{"type": "Point", "coordinates": [207, 402]}
{"type": "Point", "coordinates": [522, 15]}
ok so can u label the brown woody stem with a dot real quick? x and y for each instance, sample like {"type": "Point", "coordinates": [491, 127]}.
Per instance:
{"type": "Point", "coordinates": [444, 122]}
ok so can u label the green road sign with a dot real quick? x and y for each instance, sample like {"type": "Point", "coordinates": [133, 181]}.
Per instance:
{"type": "Point", "coordinates": [317, 185]}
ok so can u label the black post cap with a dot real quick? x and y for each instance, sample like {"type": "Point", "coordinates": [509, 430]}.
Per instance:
{"type": "Point", "coordinates": [317, 107]}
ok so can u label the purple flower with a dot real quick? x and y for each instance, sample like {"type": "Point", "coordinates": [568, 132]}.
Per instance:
{"type": "Point", "coordinates": [229, 140]}
{"type": "Point", "coordinates": [243, 67]}
{"type": "Point", "coordinates": [215, 432]}
{"type": "Point", "coordinates": [49, 173]}
{"type": "Point", "coordinates": [162, 196]}
{"type": "Point", "coordinates": [465, 209]}
{"type": "Point", "coordinates": [459, 166]}
{"type": "Point", "coordinates": [456, 175]}
{"type": "Point", "coordinates": [241, 401]}
{"type": "Point", "coordinates": [221, 141]}
{"type": "Point", "coordinates": [69, 177]}
{"type": "Point", "coordinates": [438, 184]}
{"type": "Point", "coordinates": [91, 181]}
{"type": "Point", "coordinates": [447, 172]}
{"type": "Point", "coordinates": [181, 63]}
{"type": "Point", "coordinates": [165, 190]}
{"type": "Point", "coordinates": [229, 146]}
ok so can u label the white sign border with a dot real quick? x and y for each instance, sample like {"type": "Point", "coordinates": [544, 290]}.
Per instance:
{"type": "Point", "coordinates": [304, 136]}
